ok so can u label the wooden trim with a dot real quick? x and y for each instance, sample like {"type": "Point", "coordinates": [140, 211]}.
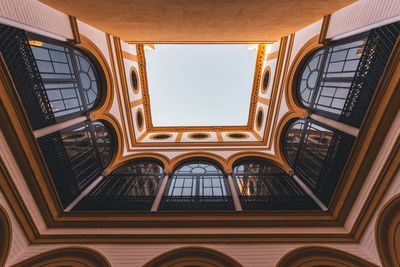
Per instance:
{"type": "Point", "coordinates": [146, 102]}
{"type": "Point", "coordinates": [129, 56]}
{"type": "Point", "coordinates": [321, 256]}
{"type": "Point", "coordinates": [271, 127]}
{"type": "Point", "coordinates": [117, 89]}
{"type": "Point", "coordinates": [257, 135]}
{"type": "Point", "coordinates": [136, 102]}
{"type": "Point", "coordinates": [263, 100]}
{"type": "Point", "coordinates": [219, 136]}
{"type": "Point", "coordinates": [272, 55]}
{"type": "Point", "coordinates": [141, 42]}
{"type": "Point", "coordinates": [75, 30]}
{"type": "Point", "coordinates": [179, 137]}
{"type": "Point", "coordinates": [275, 85]}
{"type": "Point", "coordinates": [324, 30]}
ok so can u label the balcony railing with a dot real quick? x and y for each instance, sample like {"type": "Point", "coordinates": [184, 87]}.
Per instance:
{"type": "Point", "coordinates": [17, 53]}
{"type": "Point", "coordinates": [188, 203]}
{"type": "Point", "coordinates": [122, 192]}
{"type": "Point", "coordinates": [272, 192]}
{"type": "Point", "coordinates": [60, 168]}
{"type": "Point", "coordinates": [375, 56]}
{"type": "Point", "coordinates": [320, 156]}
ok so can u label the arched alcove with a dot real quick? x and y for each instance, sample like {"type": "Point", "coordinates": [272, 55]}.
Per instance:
{"type": "Point", "coordinates": [315, 256]}
{"type": "Point", "coordinates": [193, 256]}
{"type": "Point", "coordinates": [69, 256]}
{"type": "Point", "coordinates": [387, 233]}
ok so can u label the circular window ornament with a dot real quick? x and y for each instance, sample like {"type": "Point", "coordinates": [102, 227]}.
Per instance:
{"type": "Point", "coordinates": [160, 136]}
{"type": "Point", "coordinates": [237, 135]}
{"type": "Point", "coordinates": [259, 119]}
{"type": "Point", "coordinates": [139, 119]}
{"type": "Point", "coordinates": [134, 80]}
{"type": "Point", "coordinates": [199, 136]}
{"type": "Point", "coordinates": [265, 81]}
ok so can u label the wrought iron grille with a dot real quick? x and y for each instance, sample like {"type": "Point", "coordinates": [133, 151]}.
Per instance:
{"type": "Point", "coordinates": [131, 187]}
{"type": "Point", "coordinates": [376, 54]}
{"type": "Point", "coordinates": [73, 158]}
{"type": "Point", "coordinates": [59, 166]}
{"type": "Point", "coordinates": [339, 80]}
{"type": "Point", "coordinates": [16, 51]}
{"type": "Point", "coordinates": [82, 154]}
{"type": "Point", "coordinates": [197, 186]}
{"type": "Point", "coordinates": [264, 186]}
{"type": "Point", "coordinates": [320, 157]}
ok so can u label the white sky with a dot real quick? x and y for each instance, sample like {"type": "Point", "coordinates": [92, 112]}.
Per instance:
{"type": "Point", "coordinates": [200, 85]}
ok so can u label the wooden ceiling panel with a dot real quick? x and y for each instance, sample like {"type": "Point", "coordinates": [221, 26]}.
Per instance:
{"type": "Point", "coordinates": [199, 21]}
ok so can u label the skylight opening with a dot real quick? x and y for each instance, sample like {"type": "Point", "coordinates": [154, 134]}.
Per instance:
{"type": "Point", "coordinates": [200, 85]}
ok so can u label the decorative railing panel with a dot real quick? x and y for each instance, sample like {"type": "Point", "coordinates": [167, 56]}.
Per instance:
{"type": "Point", "coordinates": [59, 166]}
{"type": "Point", "coordinates": [72, 160]}
{"type": "Point", "coordinates": [272, 192]}
{"type": "Point", "coordinates": [132, 187]}
{"type": "Point", "coordinates": [188, 203]}
{"type": "Point", "coordinates": [321, 157]}
{"type": "Point", "coordinates": [17, 53]}
{"type": "Point", "coordinates": [375, 56]}
{"type": "Point", "coordinates": [339, 80]}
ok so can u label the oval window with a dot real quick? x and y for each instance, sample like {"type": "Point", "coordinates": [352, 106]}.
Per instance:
{"type": "Point", "coordinates": [266, 80]}
{"type": "Point", "coordinates": [134, 80]}
{"type": "Point", "coordinates": [260, 117]}
{"type": "Point", "coordinates": [161, 136]}
{"type": "Point", "coordinates": [199, 136]}
{"type": "Point", "coordinates": [237, 135]}
{"type": "Point", "coordinates": [139, 119]}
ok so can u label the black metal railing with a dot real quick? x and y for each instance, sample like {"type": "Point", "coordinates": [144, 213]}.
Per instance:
{"type": "Point", "coordinates": [59, 166]}
{"type": "Point", "coordinates": [115, 203]}
{"type": "Point", "coordinates": [71, 160]}
{"type": "Point", "coordinates": [122, 192]}
{"type": "Point", "coordinates": [320, 157]}
{"type": "Point", "coordinates": [188, 203]}
{"type": "Point", "coordinates": [339, 80]}
{"type": "Point", "coordinates": [375, 56]}
{"type": "Point", "coordinates": [17, 53]}
{"type": "Point", "coordinates": [272, 192]}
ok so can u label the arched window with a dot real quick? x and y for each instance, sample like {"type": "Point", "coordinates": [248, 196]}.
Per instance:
{"type": "Point", "coordinates": [197, 185]}
{"type": "Point", "coordinates": [317, 154]}
{"type": "Point", "coordinates": [339, 80]}
{"type": "Point", "coordinates": [77, 155]}
{"type": "Point", "coordinates": [264, 186]}
{"type": "Point", "coordinates": [325, 79]}
{"type": "Point", "coordinates": [69, 76]}
{"type": "Point", "coordinates": [55, 80]}
{"type": "Point", "coordinates": [131, 187]}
